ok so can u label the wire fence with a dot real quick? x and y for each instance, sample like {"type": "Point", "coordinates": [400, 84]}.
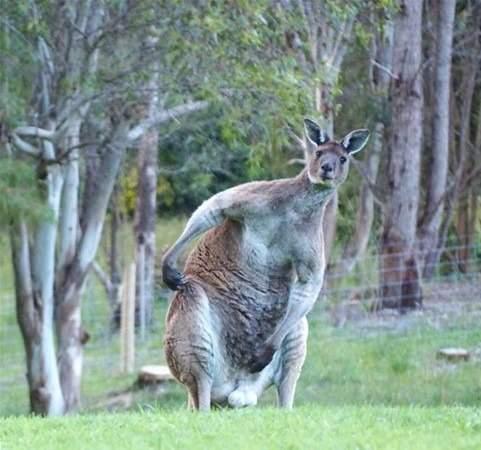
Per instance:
{"type": "Point", "coordinates": [452, 295]}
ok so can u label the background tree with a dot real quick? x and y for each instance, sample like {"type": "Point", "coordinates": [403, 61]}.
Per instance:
{"type": "Point", "coordinates": [437, 185]}
{"type": "Point", "coordinates": [399, 271]}
{"type": "Point", "coordinates": [69, 82]}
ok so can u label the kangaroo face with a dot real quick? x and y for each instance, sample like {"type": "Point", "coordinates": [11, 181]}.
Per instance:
{"type": "Point", "coordinates": [328, 161]}
{"type": "Point", "coordinates": [329, 165]}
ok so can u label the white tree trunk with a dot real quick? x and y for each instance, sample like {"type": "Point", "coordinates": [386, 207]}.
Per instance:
{"type": "Point", "coordinates": [44, 276]}
{"type": "Point", "coordinates": [34, 282]}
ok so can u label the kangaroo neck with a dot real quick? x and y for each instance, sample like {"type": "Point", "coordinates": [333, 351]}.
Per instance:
{"type": "Point", "coordinates": [312, 198]}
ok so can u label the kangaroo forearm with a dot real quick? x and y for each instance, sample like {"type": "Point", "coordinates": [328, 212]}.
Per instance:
{"type": "Point", "coordinates": [300, 302]}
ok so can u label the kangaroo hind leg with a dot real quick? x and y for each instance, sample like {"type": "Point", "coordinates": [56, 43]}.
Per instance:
{"type": "Point", "coordinates": [199, 396]}
{"type": "Point", "coordinates": [293, 354]}
{"type": "Point", "coordinates": [189, 343]}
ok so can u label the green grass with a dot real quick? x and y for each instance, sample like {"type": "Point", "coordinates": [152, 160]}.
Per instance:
{"type": "Point", "coordinates": [309, 427]}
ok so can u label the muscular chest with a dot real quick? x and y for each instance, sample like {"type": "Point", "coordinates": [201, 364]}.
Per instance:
{"type": "Point", "coordinates": [278, 241]}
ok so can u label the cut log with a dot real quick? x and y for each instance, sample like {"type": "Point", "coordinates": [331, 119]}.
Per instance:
{"type": "Point", "coordinates": [149, 375]}
{"type": "Point", "coordinates": [453, 354]}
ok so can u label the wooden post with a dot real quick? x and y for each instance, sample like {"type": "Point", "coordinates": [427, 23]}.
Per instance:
{"type": "Point", "coordinates": [127, 321]}
{"type": "Point", "coordinates": [141, 288]}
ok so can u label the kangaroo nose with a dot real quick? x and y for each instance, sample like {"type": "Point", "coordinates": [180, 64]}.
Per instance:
{"type": "Point", "coordinates": [327, 167]}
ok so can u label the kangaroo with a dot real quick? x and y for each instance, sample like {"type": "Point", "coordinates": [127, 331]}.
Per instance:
{"type": "Point", "coordinates": [237, 323]}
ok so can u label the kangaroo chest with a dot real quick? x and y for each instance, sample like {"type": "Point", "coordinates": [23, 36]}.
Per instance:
{"type": "Point", "coordinates": [254, 256]}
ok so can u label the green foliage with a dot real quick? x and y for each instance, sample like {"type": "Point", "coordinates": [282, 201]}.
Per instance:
{"type": "Point", "coordinates": [199, 159]}
{"type": "Point", "coordinates": [20, 194]}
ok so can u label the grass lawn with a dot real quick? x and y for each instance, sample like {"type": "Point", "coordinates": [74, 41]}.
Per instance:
{"type": "Point", "coordinates": [309, 427]}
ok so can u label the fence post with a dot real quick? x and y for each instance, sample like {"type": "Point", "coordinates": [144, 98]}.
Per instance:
{"type": "Point", "coordinates": [141, 288]}
{"type": "Point", "coordinates": [127, 321]}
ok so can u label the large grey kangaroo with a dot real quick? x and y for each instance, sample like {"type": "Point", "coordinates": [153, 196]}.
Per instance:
{"type": "Point", "coordinates": [237, 323]}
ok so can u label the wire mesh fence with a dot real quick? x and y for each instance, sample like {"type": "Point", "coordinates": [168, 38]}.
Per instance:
{"type": "Point", "coordinates": [451, 296]}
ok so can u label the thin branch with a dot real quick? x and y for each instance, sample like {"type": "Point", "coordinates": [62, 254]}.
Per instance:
{"type": "Point", "coordinates": [384, 69]}
{"type": "Point", "coordinates": [102, 276]}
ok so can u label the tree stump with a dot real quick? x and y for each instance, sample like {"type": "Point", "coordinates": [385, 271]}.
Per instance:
{"type": "Point", "coordinates": [153, 375]}
{"type": "Point", "coordinates": [452, 354]}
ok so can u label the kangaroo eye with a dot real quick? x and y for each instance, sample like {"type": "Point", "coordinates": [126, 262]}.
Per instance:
{"type": "Point", "coordinates": [319, 153]}
{"type": "Point", "coordinates": [342, 159]}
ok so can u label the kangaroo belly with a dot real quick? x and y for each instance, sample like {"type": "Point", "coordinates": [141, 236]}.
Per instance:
{"type": "Point", "coordinates": [246, 289]}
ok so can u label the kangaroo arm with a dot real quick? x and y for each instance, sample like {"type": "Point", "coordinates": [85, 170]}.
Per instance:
{"type": "Point", "coordinates": [210, 214]}
{"type": "Point", "coordinates": [303, 294]}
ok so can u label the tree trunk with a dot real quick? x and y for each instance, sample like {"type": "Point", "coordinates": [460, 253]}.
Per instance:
{"type": "Point", "coordinates": [462, 224]}
{"type": "Point", "coordinates": [34, 271]}
{"type": "Point", "coordinates": [114, 263]}
{"type": "Point", "coordinates": [35, 319]}
{"type": "Point", "coordinates": [436, 188]}
{"type": "Point", "coordinates": [470, 69]}
{"type": "Point", "coordinates": [399, 271]}
{"type": "Point", "coordinates": [70, 333]}
{"type": "Point", "coordinates": [145, 215]}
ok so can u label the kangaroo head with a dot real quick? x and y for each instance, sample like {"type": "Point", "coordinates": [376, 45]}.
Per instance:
{"type": "Point", "coordinates": [328, 160]}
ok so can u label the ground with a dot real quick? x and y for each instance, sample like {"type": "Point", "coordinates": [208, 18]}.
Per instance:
{"type": "Point", "coordinates": [308, 427]}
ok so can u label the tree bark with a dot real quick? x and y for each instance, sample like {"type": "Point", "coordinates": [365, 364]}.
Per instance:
{"type": "Point", "coordinates": [145, 218]}
{"type": "Point", "coordinates": [114, 263]}
{"type": "Point", "coordinates": [399, 271]}
{"type": "Point", "coordinates": [436, 188]}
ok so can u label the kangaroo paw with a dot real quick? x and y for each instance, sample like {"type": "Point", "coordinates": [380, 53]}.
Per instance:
{"type": "Point", "coordinates": [261, 359]}
{"type": "Point", "coordinates": [172, 277]}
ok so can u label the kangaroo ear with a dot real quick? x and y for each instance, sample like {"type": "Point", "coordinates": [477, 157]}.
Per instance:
{"type": "Point", "coordinates": [315, 134]}
{"type": "Point", "coordinates": [355, 141]}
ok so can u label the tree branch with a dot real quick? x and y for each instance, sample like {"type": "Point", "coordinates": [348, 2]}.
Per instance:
{"type": "Point", "coordinates": [24, 146]}
{"type": "Point", "coordinates": [164, 116]}
{"type": "Point", "coordinates": [35, 132]}
{"type": "Point", "coordinates": [384, 69]}
{"type": "Point", "coordinates": [102, 276]}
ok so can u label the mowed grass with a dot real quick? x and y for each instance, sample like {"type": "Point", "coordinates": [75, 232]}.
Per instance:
{"type": "Point", "coordinates": [309, 427]}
